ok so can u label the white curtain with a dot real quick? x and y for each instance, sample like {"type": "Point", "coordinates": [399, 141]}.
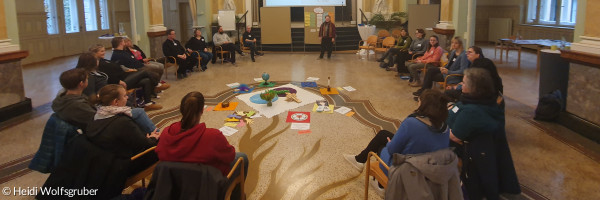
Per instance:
{"type": "Point", "coordinates": [228, 5]}
{"type": "Point", "coordinates": [193, 9]}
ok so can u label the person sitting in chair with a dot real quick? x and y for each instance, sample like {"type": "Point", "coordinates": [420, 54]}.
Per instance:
{"type": "Point", "coordinates": [122, 56]}
{"type": "Point", "coordinates": [172, 47]}
{"type": "Point", "coordinates": [402, 45]}
{"type": "Point", "coordinates": [250, 42]}
{"type": "Point", "coordinates": [222, 39]}
{"type": "Point", "coordinates": [198, 44]}
{"type": "Point", "coordinates": [141, 56]}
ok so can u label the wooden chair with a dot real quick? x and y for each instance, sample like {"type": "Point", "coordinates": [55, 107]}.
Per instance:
{"type": "Point", "coordinates": [387, 43]}
{"type": "Point", "coordinates": [143, 174]}
{"type": "Point", "coordinates": [374, 170]}
{"type": "Point", "coordinates": [507, 45]}
{"type": "Point", "coordinates": [396, 33]}
{"type": "Point", "coordinates": [242, 47]}
{"type": "Point", "coordinates": [444, 84]}
{"type": "Point", "coordinates": [381, 35]}
{"type": "Point", "coordinates": [219, 50]}
{"type": "Point", "coordinates": [239, 180]}
{"type": "Point", "coordinates": [168, 64]}
{"type": "Point", "coordinates": [368, 44]}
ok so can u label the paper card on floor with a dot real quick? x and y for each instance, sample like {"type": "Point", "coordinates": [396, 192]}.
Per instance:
{"type": "Point", "coordinates": [340, 89]}
{"type": "Point", "coordinates": [304, 131]}
{"type": "Point", "coordinates": [258, 79]}
{"type": "Point", "coordinates": [300, 126]}
{"type": "Point", "coordinates": [232, 106]}
{"type": "Point", "coordinates": [312, 79]}
{"type": "Point", "coordinates": [227, 131]}
{"type": "Point", "coordinates": [241, 124]}
{"type": "Point", "coordinates": [321, 109]}
{"type": "Point", "coordinates": [308, 84]}
{"type": "Point", "coordinates": [230, 124]}
{"type": "Point", "coordinates": [257, 115]}
{"type": "Point", "coordinates": [298, 117]}
{"type": "Point", "coordinates": [233, 85]}
{"type": "Point", "coordinates": [209, 108]}
{"type": "Point", "coordinates": [349, 88]}
{"type": "Point", "coordinates": [343, 110]}
{"type": "Point", "coordinates": [333, 91]}
{"type": "Point", "coordinates": [349, 114]}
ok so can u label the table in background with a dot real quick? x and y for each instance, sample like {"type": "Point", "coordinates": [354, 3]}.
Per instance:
{"type": "Point", "coordinates": [539, 44]}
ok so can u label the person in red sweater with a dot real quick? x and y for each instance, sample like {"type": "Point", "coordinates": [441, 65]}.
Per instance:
{"type": "Point", "coordinates": [190, 141]}
{"type": "Point", "coordinates": [431, 58]}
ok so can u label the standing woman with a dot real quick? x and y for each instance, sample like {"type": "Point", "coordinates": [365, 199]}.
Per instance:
{"type": "Point", "coordinates": [198, 43]}
{"type": "Point", "coordinates": [327, 37]}
{"type": "Point", "coordinates": [432, 57]}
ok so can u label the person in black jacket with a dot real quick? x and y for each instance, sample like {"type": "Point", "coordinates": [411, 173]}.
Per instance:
{"type": "Point", "coordinates": [250, 42]}
{"type": "Point", "coordinates": [114, 130]}
{"type": "Point", "coordinates": [123, 56]}
{"type": "Point", "coordinates": [172, 47]}
{"type": "Point", "coordinates": [198, 44]}
{"type": "Point", "coordinates": [139, 55]}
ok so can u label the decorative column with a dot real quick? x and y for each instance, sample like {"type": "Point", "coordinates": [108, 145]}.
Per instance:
{"type": "Point", "coordinates": [12, 92]}
{"type": "Point", "coordinates": [157, 30]}
{"type": "Point", "coordinates": [446, 27]}
{"type": "Point", "coordinates": [590, 40]}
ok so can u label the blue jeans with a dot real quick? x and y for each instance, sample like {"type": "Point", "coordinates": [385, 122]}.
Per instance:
{"type": "Point", "coordinates": [236, 192]}
{"type": "Point", "coordinates": [142, 120]}
{"type": "Point", "coordinates": [206, 56]}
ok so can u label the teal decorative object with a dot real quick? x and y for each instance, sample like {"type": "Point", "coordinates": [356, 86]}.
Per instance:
{"type": "Point", "coordinates": [266, 77]}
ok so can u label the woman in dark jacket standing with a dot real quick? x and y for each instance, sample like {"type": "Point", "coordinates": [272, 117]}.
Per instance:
{"type": "Point", "coordinates": [115, 131]}
{"type": "Point", "coordinates": [477, 130]}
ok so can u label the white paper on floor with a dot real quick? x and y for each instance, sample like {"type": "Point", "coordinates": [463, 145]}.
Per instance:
{"type": "Point", "coordinates": [300, 126]}
{"type": "Point", "coordinates": [312, 79]}
{"type": "Point", "coordinates": [281, 105]}
{"type": "Point", "coordinates": [349, 88]}
{"type": "Point", "coordinates": [343, 110]}
{"type": "Point", "coordinates": [258, 79]}
{"type": "Point", "coordinates": [227, 131]}
{"type": "Point", "coordinates": [233, 85]}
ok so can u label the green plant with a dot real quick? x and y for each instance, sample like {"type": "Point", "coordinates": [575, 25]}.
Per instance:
{"type": "Point", "coordinates": [399, 16]}
{"type": "Point", "coordinates": [377, 18]}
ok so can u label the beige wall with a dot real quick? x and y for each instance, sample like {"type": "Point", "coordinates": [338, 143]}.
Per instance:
{"type": "Point", "coordinates": [592, 15]}
{"type": "Point", "coordinates": [155, 7]}
{"type": "Point", "coordinates": [3, 33]}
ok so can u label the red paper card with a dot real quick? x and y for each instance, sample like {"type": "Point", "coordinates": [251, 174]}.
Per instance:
{"type": "Point", "coordinates": [298, 117]}
{"type": "Point", "coordinates": [304, 131]}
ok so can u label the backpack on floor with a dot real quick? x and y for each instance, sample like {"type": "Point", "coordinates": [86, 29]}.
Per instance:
{"type": "Point", "coordinates": [549, 106]}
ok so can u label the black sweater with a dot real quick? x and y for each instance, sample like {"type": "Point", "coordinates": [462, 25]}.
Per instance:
{"type": "Point", "coordinates": [172, 48]}
{"type": "Point", "coordinates": [195, 44]}
{"type": "Point", "coordinates": [120, 135]}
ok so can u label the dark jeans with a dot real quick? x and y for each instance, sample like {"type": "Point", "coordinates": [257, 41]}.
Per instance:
{"type": "Point", "coordinates": [232, 48]}
{"type": "Point", "coordinates": [376, 144]}
{"type": "Point", "coordinates": [206, 57]}
{"type": "Point", "coordinates": [326, 45]}
{"type": "Point", "coordinates": [236, 192]}
{"type": "Point", "coordinates": [432, 74]}
{"type": "Point", "coordinates": [401, 59]}
{"type": "Point", "coordinates": [184, 65]}
{"type": "Point", "coordinates": [141, 79]}
{"type": "Point", "coordinates": [252, 47]}
{"type": "Point", "coordinates": [390, 54]}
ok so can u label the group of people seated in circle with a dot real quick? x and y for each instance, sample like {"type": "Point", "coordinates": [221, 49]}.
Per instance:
{"type": "Point", "coordinates": [109, 125]}
{"type": "Point", "coordinates": [195, 54]}
{"type": "Point", "coordinates": [467, 116]}
{"type": "Point", "coordinates": [466, 120]}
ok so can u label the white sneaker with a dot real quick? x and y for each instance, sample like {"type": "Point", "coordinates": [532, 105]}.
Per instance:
{"type": "Point", "coordinates": [352, 160]}
{"type": "Point", "coordinates": [375, 185]}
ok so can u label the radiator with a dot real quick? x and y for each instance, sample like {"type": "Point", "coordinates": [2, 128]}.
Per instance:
{"type": "Point", "coordinates": [499, 28]}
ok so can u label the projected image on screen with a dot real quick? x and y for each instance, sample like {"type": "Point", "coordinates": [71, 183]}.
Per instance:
{"type": "Point", "coordinates": [295, 3]}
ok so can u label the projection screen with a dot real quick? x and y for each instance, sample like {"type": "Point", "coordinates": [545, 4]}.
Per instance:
{"type": "Point", "coordinates": [300, 3]}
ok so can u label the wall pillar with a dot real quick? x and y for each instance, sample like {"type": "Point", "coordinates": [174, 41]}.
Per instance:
{"type": "Point", "coordinates": [5, 43]}
{"type": "Point", "coordinates": [590, 40]}
{"type": "Point", "coordinates": [156, 30]}
{"type": "Point", "coordinates": [446, 15]}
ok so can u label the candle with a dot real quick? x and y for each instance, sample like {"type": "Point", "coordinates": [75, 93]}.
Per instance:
{"type": "Point", "coordinates": [328, 81]}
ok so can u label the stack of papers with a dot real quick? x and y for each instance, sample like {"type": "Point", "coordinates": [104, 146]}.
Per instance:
{"type": "Point", "coordinates": [312, 79]}
{"type": "Point", "coordinates": [233, 85]}
{"type": "Point", "coordinates": [343, 110]}
{"type": "Point", "coordinates": [349, 88]}
{"type": "Point", "coordinates": [300, 126]}
{"type": "Point", "coordinates": [259, 80]}
{"type": "Point", "coordinates": [228, 131]}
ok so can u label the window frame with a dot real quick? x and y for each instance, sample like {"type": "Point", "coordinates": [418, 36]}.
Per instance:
{"type": "Point", "coordinates": [557, 13]}
{"type": "Point", "coordinates": [75, 19]}
{"type": "Point", "coordinates": [103, 16]}
{"type": "Point", "coordinates": [93, 15]}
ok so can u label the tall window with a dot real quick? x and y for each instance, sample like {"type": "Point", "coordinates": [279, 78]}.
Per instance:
{"type": "Point", "coordinates": [552, 12]}
{"type": "Point", "coordinates": [51, 22]}
{"type": "Point", "coordinates": [89, 11]}
{"type": "Point", "coordinates": [71, 20]}
{"type": "Point", "coordinates": [104, 15]}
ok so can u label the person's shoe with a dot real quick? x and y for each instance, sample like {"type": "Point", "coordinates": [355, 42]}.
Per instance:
{"type": "Point", "coordinates": [328, 57]}
{"type": "Point", "coordinates": [253, 60]}
{"type": "Point", "coordinates": [416, 84]}
{"type": "Point", "coordinates": [260, 54]}
{"type": "Point", "coordinates": [383, 65]}
{"type": "Point", "coordinates": [203, 69]}
{"type": "Point", "coordinates": [152, 107]}
{"type": "Point", "coordinates": [418, 92]}
{"type": "Point", "coordinates": [380, 60]}
{"type": "Point", "coordinates": [390, 69]}
{"type": "Point", "coordinates": [242, 54]}
{"type": "Point", "coordinates": [180, 76]}
{"type": "Point", "coordinates": [226, 60]}
{"type": "Point", "coordinates": [320, 58]}
{"type": "Point", "coordinates": [161, 87]}
{"type": "Point", "coordinates": [375, 185]}
{"type": "Point", "coordinates": [352, 160]}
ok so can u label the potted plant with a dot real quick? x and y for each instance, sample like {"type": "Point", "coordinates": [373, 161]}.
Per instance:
{"type": "Point", "coordinates": [268, 96]}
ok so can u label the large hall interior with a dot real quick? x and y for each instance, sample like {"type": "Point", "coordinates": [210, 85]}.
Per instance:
{"type": "Point", "coordinates": [297, 112]}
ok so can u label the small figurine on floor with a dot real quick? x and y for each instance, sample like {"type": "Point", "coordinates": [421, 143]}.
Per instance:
{"type": "Point", "coordinates": [292, 97]}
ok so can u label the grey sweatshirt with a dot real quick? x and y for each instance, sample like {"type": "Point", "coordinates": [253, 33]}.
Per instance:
{"type": "Point", "coordinates": [419, 45]}
{"type": "Point", "coordinates": [74, 109]}
{"type": "Point", "coordinates": [220, 39]}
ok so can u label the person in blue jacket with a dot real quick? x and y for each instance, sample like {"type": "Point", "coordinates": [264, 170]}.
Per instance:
{"type": "Point", "coordinates": [421, 132]}
{"type": "Point", "coordinates": [457, 63]}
